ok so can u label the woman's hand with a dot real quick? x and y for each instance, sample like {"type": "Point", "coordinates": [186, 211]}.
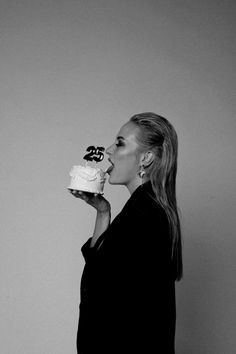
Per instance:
{"type": "Point", "coordinates": [95, 200]}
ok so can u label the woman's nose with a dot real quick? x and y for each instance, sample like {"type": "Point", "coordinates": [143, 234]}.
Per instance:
{"type": "Point", "coordinates": [109, 150]}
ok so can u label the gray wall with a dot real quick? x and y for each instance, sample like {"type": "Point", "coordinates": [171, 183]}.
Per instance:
{"type": "Point", "coordinates": [72, 72]}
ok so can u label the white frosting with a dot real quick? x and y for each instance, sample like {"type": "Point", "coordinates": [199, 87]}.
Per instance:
{"type": "Point", "coordinates": [88, 179]}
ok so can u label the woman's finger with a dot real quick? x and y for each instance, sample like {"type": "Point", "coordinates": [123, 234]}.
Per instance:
{"type": "Point", "coordinates": [76, 193]}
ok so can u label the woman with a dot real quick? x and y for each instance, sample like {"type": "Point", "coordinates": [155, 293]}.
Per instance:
{"type": "Point", "coordinates": [131, 265]}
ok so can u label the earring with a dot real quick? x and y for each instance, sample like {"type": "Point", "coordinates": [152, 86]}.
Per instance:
{"type": "Point", "coordinates": [141, 172]}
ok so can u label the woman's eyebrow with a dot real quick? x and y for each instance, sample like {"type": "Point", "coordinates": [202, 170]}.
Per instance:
{"type": "Point", "coordinates": [120, 137]}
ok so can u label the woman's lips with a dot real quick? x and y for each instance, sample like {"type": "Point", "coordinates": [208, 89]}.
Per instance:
{"type": "Point", "coordinates": [110, 168]}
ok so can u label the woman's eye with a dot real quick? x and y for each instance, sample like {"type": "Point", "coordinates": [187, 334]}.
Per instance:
{"type": "Point", "coordinates": [118, 144]}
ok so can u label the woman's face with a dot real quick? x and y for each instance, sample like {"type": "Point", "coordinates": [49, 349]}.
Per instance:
{"type": "Point", "coordinates": [124, 155]}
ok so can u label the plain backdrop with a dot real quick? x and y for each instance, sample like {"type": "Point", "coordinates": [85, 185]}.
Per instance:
{"type": "Point", "coordinates": [71, 73]}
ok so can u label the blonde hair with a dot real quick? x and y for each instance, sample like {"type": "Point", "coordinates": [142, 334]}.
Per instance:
{"type": "Point", "coordinates": [159, 136]}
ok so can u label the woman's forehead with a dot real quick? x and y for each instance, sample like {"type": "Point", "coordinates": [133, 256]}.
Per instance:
{"type": "Point", "coordinates": [128, 131]}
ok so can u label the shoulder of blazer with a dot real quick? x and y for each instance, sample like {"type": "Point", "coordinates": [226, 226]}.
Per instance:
{"type": "Point", "coordinates": [143, 202]}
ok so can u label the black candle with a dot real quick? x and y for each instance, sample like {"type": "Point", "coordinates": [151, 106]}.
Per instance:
{"type": "Point", "coordinates": [94, 154]}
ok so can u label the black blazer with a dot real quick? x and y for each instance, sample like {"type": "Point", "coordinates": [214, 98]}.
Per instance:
{"type": "Point", "coordinates": [127, 286]}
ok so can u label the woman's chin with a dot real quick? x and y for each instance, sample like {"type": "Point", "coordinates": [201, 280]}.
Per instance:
{"type": "Point", "coordinates": [112, 180]}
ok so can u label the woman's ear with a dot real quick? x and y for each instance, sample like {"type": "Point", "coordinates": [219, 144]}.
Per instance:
{"type": "Point", "coordinates": [147, 158]}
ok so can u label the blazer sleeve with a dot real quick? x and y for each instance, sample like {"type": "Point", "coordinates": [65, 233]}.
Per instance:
{"type": "Point", "coordinates": [86, 250]}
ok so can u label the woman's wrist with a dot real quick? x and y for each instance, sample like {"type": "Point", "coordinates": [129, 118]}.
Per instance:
{"type": "Point", "coordinates": [101, 224]}
{"type": "Point", "coordinates": [104, 212]}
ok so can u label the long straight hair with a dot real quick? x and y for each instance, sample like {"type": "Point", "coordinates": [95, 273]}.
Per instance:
{"type": "Point", "coordinates": [159, 136]}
